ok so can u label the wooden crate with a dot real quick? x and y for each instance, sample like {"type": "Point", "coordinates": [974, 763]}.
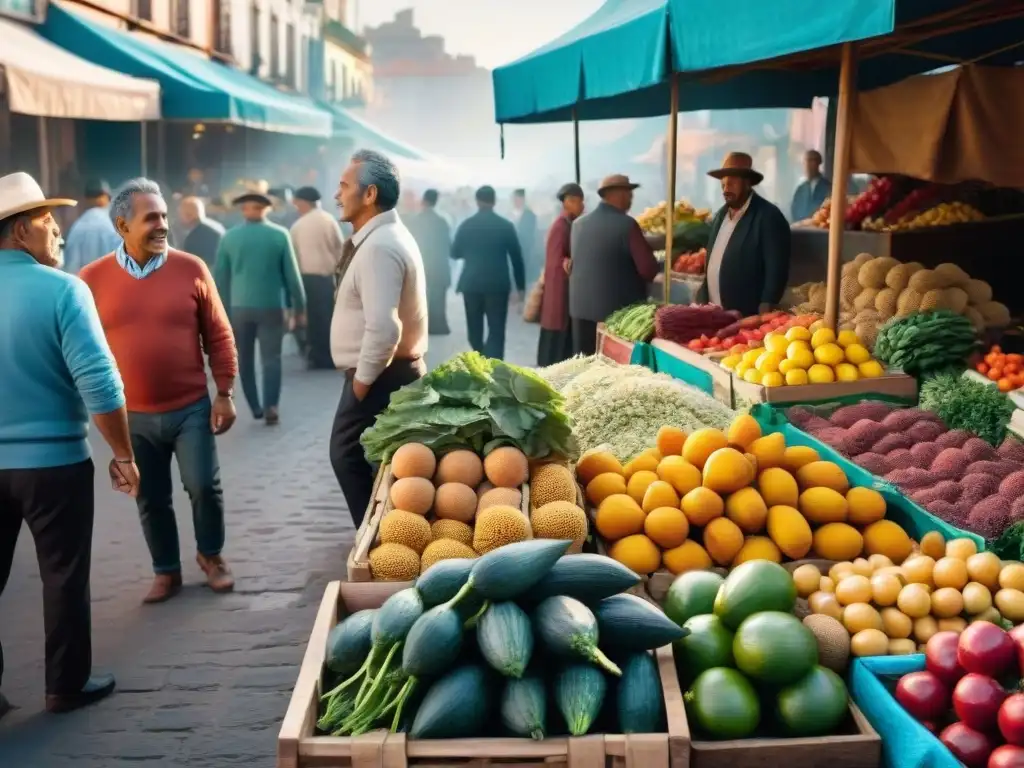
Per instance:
{"type": "Point", "coordinates": [892, 384]}
{"type": "Point", "coordinates": [358, 564]}
{"type": "Point", "coordinates": [612, 347]}
{"type": "Point", "coordinates": [298, 746]}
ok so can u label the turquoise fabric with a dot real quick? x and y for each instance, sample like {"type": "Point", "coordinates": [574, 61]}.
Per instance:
{"type": "Point", "coordinates": [363, 134]}
{"type": "Point", "coordinates": [643, 354]}
{"type": "Point", "coordinates": [905, 742]}
{"type": "Point", "coordinates": [682, 370]}
{"type": "Point", "coordinates": [192, 87]}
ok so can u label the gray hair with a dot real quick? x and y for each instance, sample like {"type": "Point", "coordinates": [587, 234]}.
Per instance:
{"type": "Point", "coordinates": [124, 198]}
{"type": "Point", "coordinates": [377, 170]}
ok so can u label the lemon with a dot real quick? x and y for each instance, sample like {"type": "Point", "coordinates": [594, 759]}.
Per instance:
{"type": "Point", "coordinates": [857, 353]}
{"type": "Point", "coordinates": [742, 367]}
{"type": "Point", "coordinates": [823, 336]}
{"type": "Point", "coordinates": [821, 374]}
{"type": "Point", "coordinates": [816, 325]}
{"type": "Point", "coordinates": [871, 369]}
{"type": "Point", "coordinates": [752, 376]}
{"type": "Point", "coordinates": [801, 356]}
{"type": "Point", "coordinates": [731, 361]}
{"type": "Point", "coordinates": [751, 355]}
{"type": "Point", "coordinates": [828, 354]}
{"type": "Point", "coordinates": [796, 377]}
{"type": "Point", "coordinates": [846, 338]}
{"type": "Point", "coordinates": [786, 366]}
{"type": "Point", "coordinates": [847, 372]}
{"type": "Point", "coordinates": [798, 333]}
{"type": "Point", "coordinates": [775, 342]}
{"type": "Point", "coordinates": [772, 380]}
{"type": "Point", "coordinates": [768, 362]}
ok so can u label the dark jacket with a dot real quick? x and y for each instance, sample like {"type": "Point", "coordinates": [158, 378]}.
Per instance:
{"type": "Point", "coordinates": [755, 265]}
{"type": "Point", "coordinates": [434, 237]}
{"type": "Point", "coordinates": [487, 243]}
{"type": "Point", "coordinates": [806, 201]}
{"type": "Point", "coordinates": [611, 264]}
{"type": "Point", "coordinates": [204, 240]}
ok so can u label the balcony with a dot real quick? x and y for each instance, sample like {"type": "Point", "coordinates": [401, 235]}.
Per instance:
{"type": "Point", "coordinates": [338, 33]}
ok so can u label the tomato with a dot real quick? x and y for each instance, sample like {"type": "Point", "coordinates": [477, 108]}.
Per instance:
{"type": "Point", "coordinates": [1005, 385]}
{"type": "Point", "coordinates": [1011, 719]}
{"type": "Point", "coordinates": [1011, 368]}
{"type": "Point", "coordinates": [990, 359]}
{"type": "Point", "coordinates": [1013, 357]}
{"type": "Point", "coordinates": [986, 649]}
{"type": "Point", "coordinates": [995, 374]}
{"type": "Point", "coordinates": [976, 701]}
{"type": "Point", "coordinates": [997, 349]}
{"type": "Point", "coordinates": [982, 368]}
{"type": "Point", "coordinates": [940, 657]}
{"type": "Point", "coordinates": [970, 747]}
{"type": "Point", "coordinates": [923, 695]}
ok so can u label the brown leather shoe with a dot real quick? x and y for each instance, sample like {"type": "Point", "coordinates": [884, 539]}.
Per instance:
{"type": "Point", "coordinates": [218, 575]}
{"type": "Point", "coordinates": [165, 586]}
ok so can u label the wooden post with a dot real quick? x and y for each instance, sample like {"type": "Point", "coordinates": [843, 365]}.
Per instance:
{"type": "Point", "coordinates": [576, 143]}
{"type": "Point", "coordinates": [144, 151]}
{"type": "Point", "coordinates": [670, 199]}
{"type": "Point", "coordinates": [840, 182]}
{"type": "Point", "coordinates": [44, 155]}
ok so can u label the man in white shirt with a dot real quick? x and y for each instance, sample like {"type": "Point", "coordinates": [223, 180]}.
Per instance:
{"type": "Point", "coordinates": [318, 245]}
{"type": "Point", "coordinates": [379, 328]}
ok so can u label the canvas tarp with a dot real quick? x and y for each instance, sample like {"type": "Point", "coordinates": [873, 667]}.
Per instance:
{"type": "Point", "coordinates": [954, 126]}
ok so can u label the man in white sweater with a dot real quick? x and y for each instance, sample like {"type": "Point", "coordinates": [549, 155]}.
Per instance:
{"type": "Point", "coordinates": [379, 328]}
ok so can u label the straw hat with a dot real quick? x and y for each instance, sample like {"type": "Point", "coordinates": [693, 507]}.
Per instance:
{"type": "Point", "coordinates": [615, 181]}
{"type": "Point", "coordinates": [19, 192]}
{"type": "Point", "coordinates": [738, 164]}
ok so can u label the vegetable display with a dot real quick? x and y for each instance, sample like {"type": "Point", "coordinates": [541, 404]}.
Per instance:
{"type": "Point", "coordinates": [477, 403]}
{"type": "Point", "coordinates": [632, 323]}
{"type": "Point", "coordinates": [969, 405]}
{"type": "Point", "coordinates": [926, 342]}
{"type": "Point", "coordinates": [749, 332]}
{"type": "Point", "coordinates": [692, 263]}
{"type": "Point", "coordinates": [1007, 370]}
{"type": "Point", "coordinates": [872, 201]}
{"type": "Point", "coordinates": [490, 659]}
{"type": "Point", "coordinates": [682, 323]}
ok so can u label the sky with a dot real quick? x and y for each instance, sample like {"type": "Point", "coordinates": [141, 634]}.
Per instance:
{"type": "Point", "coordinates": [495, 31]}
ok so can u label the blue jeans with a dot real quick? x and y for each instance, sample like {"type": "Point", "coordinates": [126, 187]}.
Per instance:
{"type": "Point", "coordinates": [186, 435]}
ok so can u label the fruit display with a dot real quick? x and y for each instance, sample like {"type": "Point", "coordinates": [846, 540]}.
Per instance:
{"type": "Point", "coordinates": [520, 641]}
{"type": "Point", "coordinates": [749, 332]}
{"type": "Point", "coordinates": [962, 695]}
{"type": "Point", "coordinates": [683, 323]}
{"type": "Point", "coordinates": [925, 342]}
{"type": "Point", "coordinates": [953, 474]}
{"type": "Point", "coordinates": [799, 357]}
{"type": "Point", "coordinates": [941, 215]}
{"type": "Point", "coordinates": [748, 664]}
{"type": "Point", "coordinates": [653, 220]}
{"type": "Point", "coordinates": [871, 202]}
{"type": "Point", "coordinates": [1007, 370]}
{"type": "Point", "coordinates": [692, 263]}
{"type": "Point", "coordinates": [632, 323]}
{"type": "Point", "coordinates": [963, 402]}
{"type": "Point", "coordinates": [720, 498]}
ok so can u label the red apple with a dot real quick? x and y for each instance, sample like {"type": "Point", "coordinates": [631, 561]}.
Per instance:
{"type": "Point", "coordinates": [985, 649]}
{"type": "Point", "coordinates": [971, 747]}
{"type": "Point", "coordinates": [940, 657]}
{"type": "Point", "coordinates": [976, 701]}
{"type": "Point", "coordinates": [1011, 719]}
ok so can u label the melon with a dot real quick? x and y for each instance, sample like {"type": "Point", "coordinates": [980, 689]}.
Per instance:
{"type": "Point", "coordinates": [455, 501]}
{"type": "Point", "coordinates": [506, 467]}
{"type": "Point", "coordinates": [413, 460]}
{"type": "Point", "coordinates": [413, 494]}
{"type": "Point", "coordinates": [460, 466]}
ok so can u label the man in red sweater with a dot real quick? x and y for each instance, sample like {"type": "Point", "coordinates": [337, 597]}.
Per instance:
{"type": "Point", "coordinates": [160, 310]}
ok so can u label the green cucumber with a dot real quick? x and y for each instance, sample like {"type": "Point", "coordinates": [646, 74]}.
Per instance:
{"type": "Point", "coordinates": [579, 694]}
{"type": "Point", "coordinates": [509, 571]}
{"type": "Point", "coordinates": [505, 637]}
{"type": "Point", "coordinates": [568, 628]}
{"type": "Point", "coordinates": [349, 642]}
{"type": "Point", "coordinates": [443, 580]}
{"type": "Point", "coordinates": [457, 706]}
{"type": "Point", "coordinates": [433, 644]}
{"type": "Point", "coordinates": [524, 707]}
{"type": "Point", "coordinates": [639, 699]}
{"type": "Point", "coordinates": [588, 578]}
{"type": "Point", "coordinates": [630, 623]}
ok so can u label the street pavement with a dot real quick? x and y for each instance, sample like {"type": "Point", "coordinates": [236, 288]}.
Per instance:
{"type": "Point", "coordinates": [204, 679]}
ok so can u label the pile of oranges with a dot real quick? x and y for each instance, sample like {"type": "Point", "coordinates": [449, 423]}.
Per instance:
{"type": "Point", "coordinates": [1007, 370]}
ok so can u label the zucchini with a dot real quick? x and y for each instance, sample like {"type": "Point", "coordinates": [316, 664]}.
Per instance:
{"type": "Point", "coordinates": [588, 578]}
{"type": "Point", "coordinates": [349, 643]}
{"type": "Point", "coordinates": [509, 571]}
{"type": "Point", "coordinates": [639, 701]}
{"type": "Point", "coordinates": [579, 694]}
{"type": "Point", "coordinates": [524, 707]}
{"type": "Point", "coordinates": [456, 706]}
{"type": "Point", "coordinates": [442, 581]}
{"type": "Point", "coordinates": [505, 637]}
{"type": "Point", "coordinates": [568, 628]}
{"type": "Point", "coordinates": [630, 623]}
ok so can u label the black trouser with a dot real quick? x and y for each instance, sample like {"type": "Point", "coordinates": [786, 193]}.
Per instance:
{"type": "Point", "coordinates": [494, 307]}
{"type": "Point", "coordinates": [267, 327]}
{"type": "Point", "coordinates": [584, 336]}
{"type": "Point", "coordinates": [437, 308]}
{"type": "Point", "coordinates": [319, 309]}
{"type": "Point", "coordinates": [57, 505]}
{"type": "Point", "coordinates": [354, 473]}
{"type": "Point", "coordinates": [553, 347]}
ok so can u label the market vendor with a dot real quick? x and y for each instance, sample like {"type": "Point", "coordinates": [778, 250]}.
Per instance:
{"type": "Point", "coordinates": [813, 190]}
{"type": "Point", "coordinates": [555, 343]}
{"type": "Point", "coordinates": [748, 250]}
{"type": "Point", "coordinates": [612, 262]}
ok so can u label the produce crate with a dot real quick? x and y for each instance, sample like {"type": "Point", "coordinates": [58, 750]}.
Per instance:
{"type": "Point", "coordinates": [695, 369]}
{"type": "Point", "coordinates": [298, 746]}
{"type": "Point", "coordinates": [622, 351]}
{"type": "Point", "coordinates": [893, 384]}
{"type": "Point", "coordinates": [358, 564]}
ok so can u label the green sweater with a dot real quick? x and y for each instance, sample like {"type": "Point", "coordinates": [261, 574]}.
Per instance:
{"type": "Point", "coordinates": [256, 268]}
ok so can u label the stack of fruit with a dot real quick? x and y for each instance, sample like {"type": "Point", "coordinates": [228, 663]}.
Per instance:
{"type": "Point", "coordinates": [891, 606]}
{"type": "Point", "coordinates": [652, 221]}
{"type": "Point", "coordinates": [1007, 370]}
{"type": "Point", "coordinates": [801, 357]}
{"type": "Point", "coordinates": [692, 263]}
{"type": "Point", "coordinates": [960, 695]}
{"type": "Point", "coordinates": [749, 333]}
{"type": "Point", "coordinates": [749, 664]}
{"type": "Point", "coordinates": [723, 498]}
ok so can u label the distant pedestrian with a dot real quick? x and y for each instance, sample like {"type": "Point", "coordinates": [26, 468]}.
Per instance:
{"type": "Point", "coordinates": [202, 235]}
{"type": "Point", "coordinates": [160, 311]}
{"type": "Point", "coordinates": [555, 344]}
{"type": "Point", "coordinates": [318, 243]}
{"type": "Point", "coordinates": [57, 371]}
{"type": "Point", "coordinates": [379, 330]}
{"type": "Point", "coordinates": [92, 235]}
{"type": "Point", "coordinates": [486, 244]}
{"type": "Point", "coordinates": [526, 229]}
{"type": "Point", "coordinates": [258, 279]}
{"type": "Point", "coordinates": [434, 236]}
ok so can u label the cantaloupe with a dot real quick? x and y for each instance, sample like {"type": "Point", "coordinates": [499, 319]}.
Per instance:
{"type": "Point", "coordinates": [619, 516]}
{"type": "Point", "coordinates": [455, 501]}
{"type": "Point", "coordinates": [701, 444]}
{"type": "Point", "coordinates": [551, 482]}
{"type": "Point", "coordinates": [638, 553]}
{"type": "Point", "coordinates": [727, 470]}
{"type": "Point", "coordinates": [460, 466]}
{"type": "Point", "coordinates": [413, 460]}
{"type": "Point", "coordinates": [413, 494]}
{"type": "Point", "coordinates": [445, 549]}
{"type": "Point", "coordinates": [507, 497]}
{"type": "Point", "coordinates": [506, 467]}
{"type": "Point", "coordinates": [400, 527]}
{"type": "Point", "coordinates": [497, 526]}
{"type": "Point", "coordinates": [596, 462]}
{"type": "Point", "coordinates": [667, 527]}
{"type": "Point", "coordinates": [456, 530]}
{"type": "Point", "coordinates": [559, 520]}
{"type": "Point", "coordinates": [394, 562]}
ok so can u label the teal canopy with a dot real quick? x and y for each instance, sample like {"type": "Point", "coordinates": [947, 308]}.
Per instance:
{"type": "Point", "coordinates": [192, 87]}
{"type": "Point", "coordinates": [619, 62]}
{"type": "Point", "coordinates": [348, 125]}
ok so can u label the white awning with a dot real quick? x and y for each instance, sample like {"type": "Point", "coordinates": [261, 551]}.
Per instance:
{"type": "Point", "coordinates": [45, 80]}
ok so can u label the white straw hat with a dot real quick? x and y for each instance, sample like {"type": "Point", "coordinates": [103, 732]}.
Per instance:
{"type": "Point", "coordinates": [19, 192]}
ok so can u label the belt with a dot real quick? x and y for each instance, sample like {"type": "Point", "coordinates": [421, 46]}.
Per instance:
{"type": "Point", "coordinates": [351, 372]}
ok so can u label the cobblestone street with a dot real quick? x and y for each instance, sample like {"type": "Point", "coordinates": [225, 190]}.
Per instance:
{"type": "Point", "coordinates": [203, 680]}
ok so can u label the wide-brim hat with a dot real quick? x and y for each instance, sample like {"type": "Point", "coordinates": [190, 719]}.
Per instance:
{"type": "Point", "coordinates": [253, 197]}
{"type": "Point", "coordinates": [19, 192]}
{"type": "Point", "coordinates": [571, 189]}
{"type": "Point", "coordinates": [616, 181]}
{"type": "Point", "coordinates": [738, 164]}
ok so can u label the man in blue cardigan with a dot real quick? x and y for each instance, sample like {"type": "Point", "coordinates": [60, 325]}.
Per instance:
{"type": "Point", "coordinates": [57, 372]}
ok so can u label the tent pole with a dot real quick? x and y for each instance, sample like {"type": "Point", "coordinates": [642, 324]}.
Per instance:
{"type": "Point", "coordinates": [576, 143]}
{"type": "Point", "coordinates": [44, 155]}
{"type": "Point", "coordinates": [840, 182]}
{"type": "Point", "coordinates": [144, 155]}
{"type": "Point", "coordinates": [670, 198]}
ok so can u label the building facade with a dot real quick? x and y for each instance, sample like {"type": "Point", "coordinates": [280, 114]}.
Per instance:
{"type": "Point", "coordinates": [348, 71]}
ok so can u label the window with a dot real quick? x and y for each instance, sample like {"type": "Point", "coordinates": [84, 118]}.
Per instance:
{"type": "Point", "coordinates": [143, 10]}
{"type": "Point", "coordinates": [255, 59]}
{"type": "Point", "coordinates": [275, 46]}
{"type": "Point", "coordinates": [180, 18]}
{"type": "Point", "coordinates": [291, 55]}
{"type": "Point", "coordinates": [221, 35]}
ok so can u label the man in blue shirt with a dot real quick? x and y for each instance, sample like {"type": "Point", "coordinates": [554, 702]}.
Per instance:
{"type": "Point", "coordinates": [92, 235]}
{"type": "Point", "coordinates": [812, 191]}
{"type": "Point", "coordinates": [57, 372]}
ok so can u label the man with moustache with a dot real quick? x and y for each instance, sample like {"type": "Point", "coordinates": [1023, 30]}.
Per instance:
{"type": "Point", "coordinates": [749, 246]}
{"type": "Point", "coordinates": [160, 311]}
